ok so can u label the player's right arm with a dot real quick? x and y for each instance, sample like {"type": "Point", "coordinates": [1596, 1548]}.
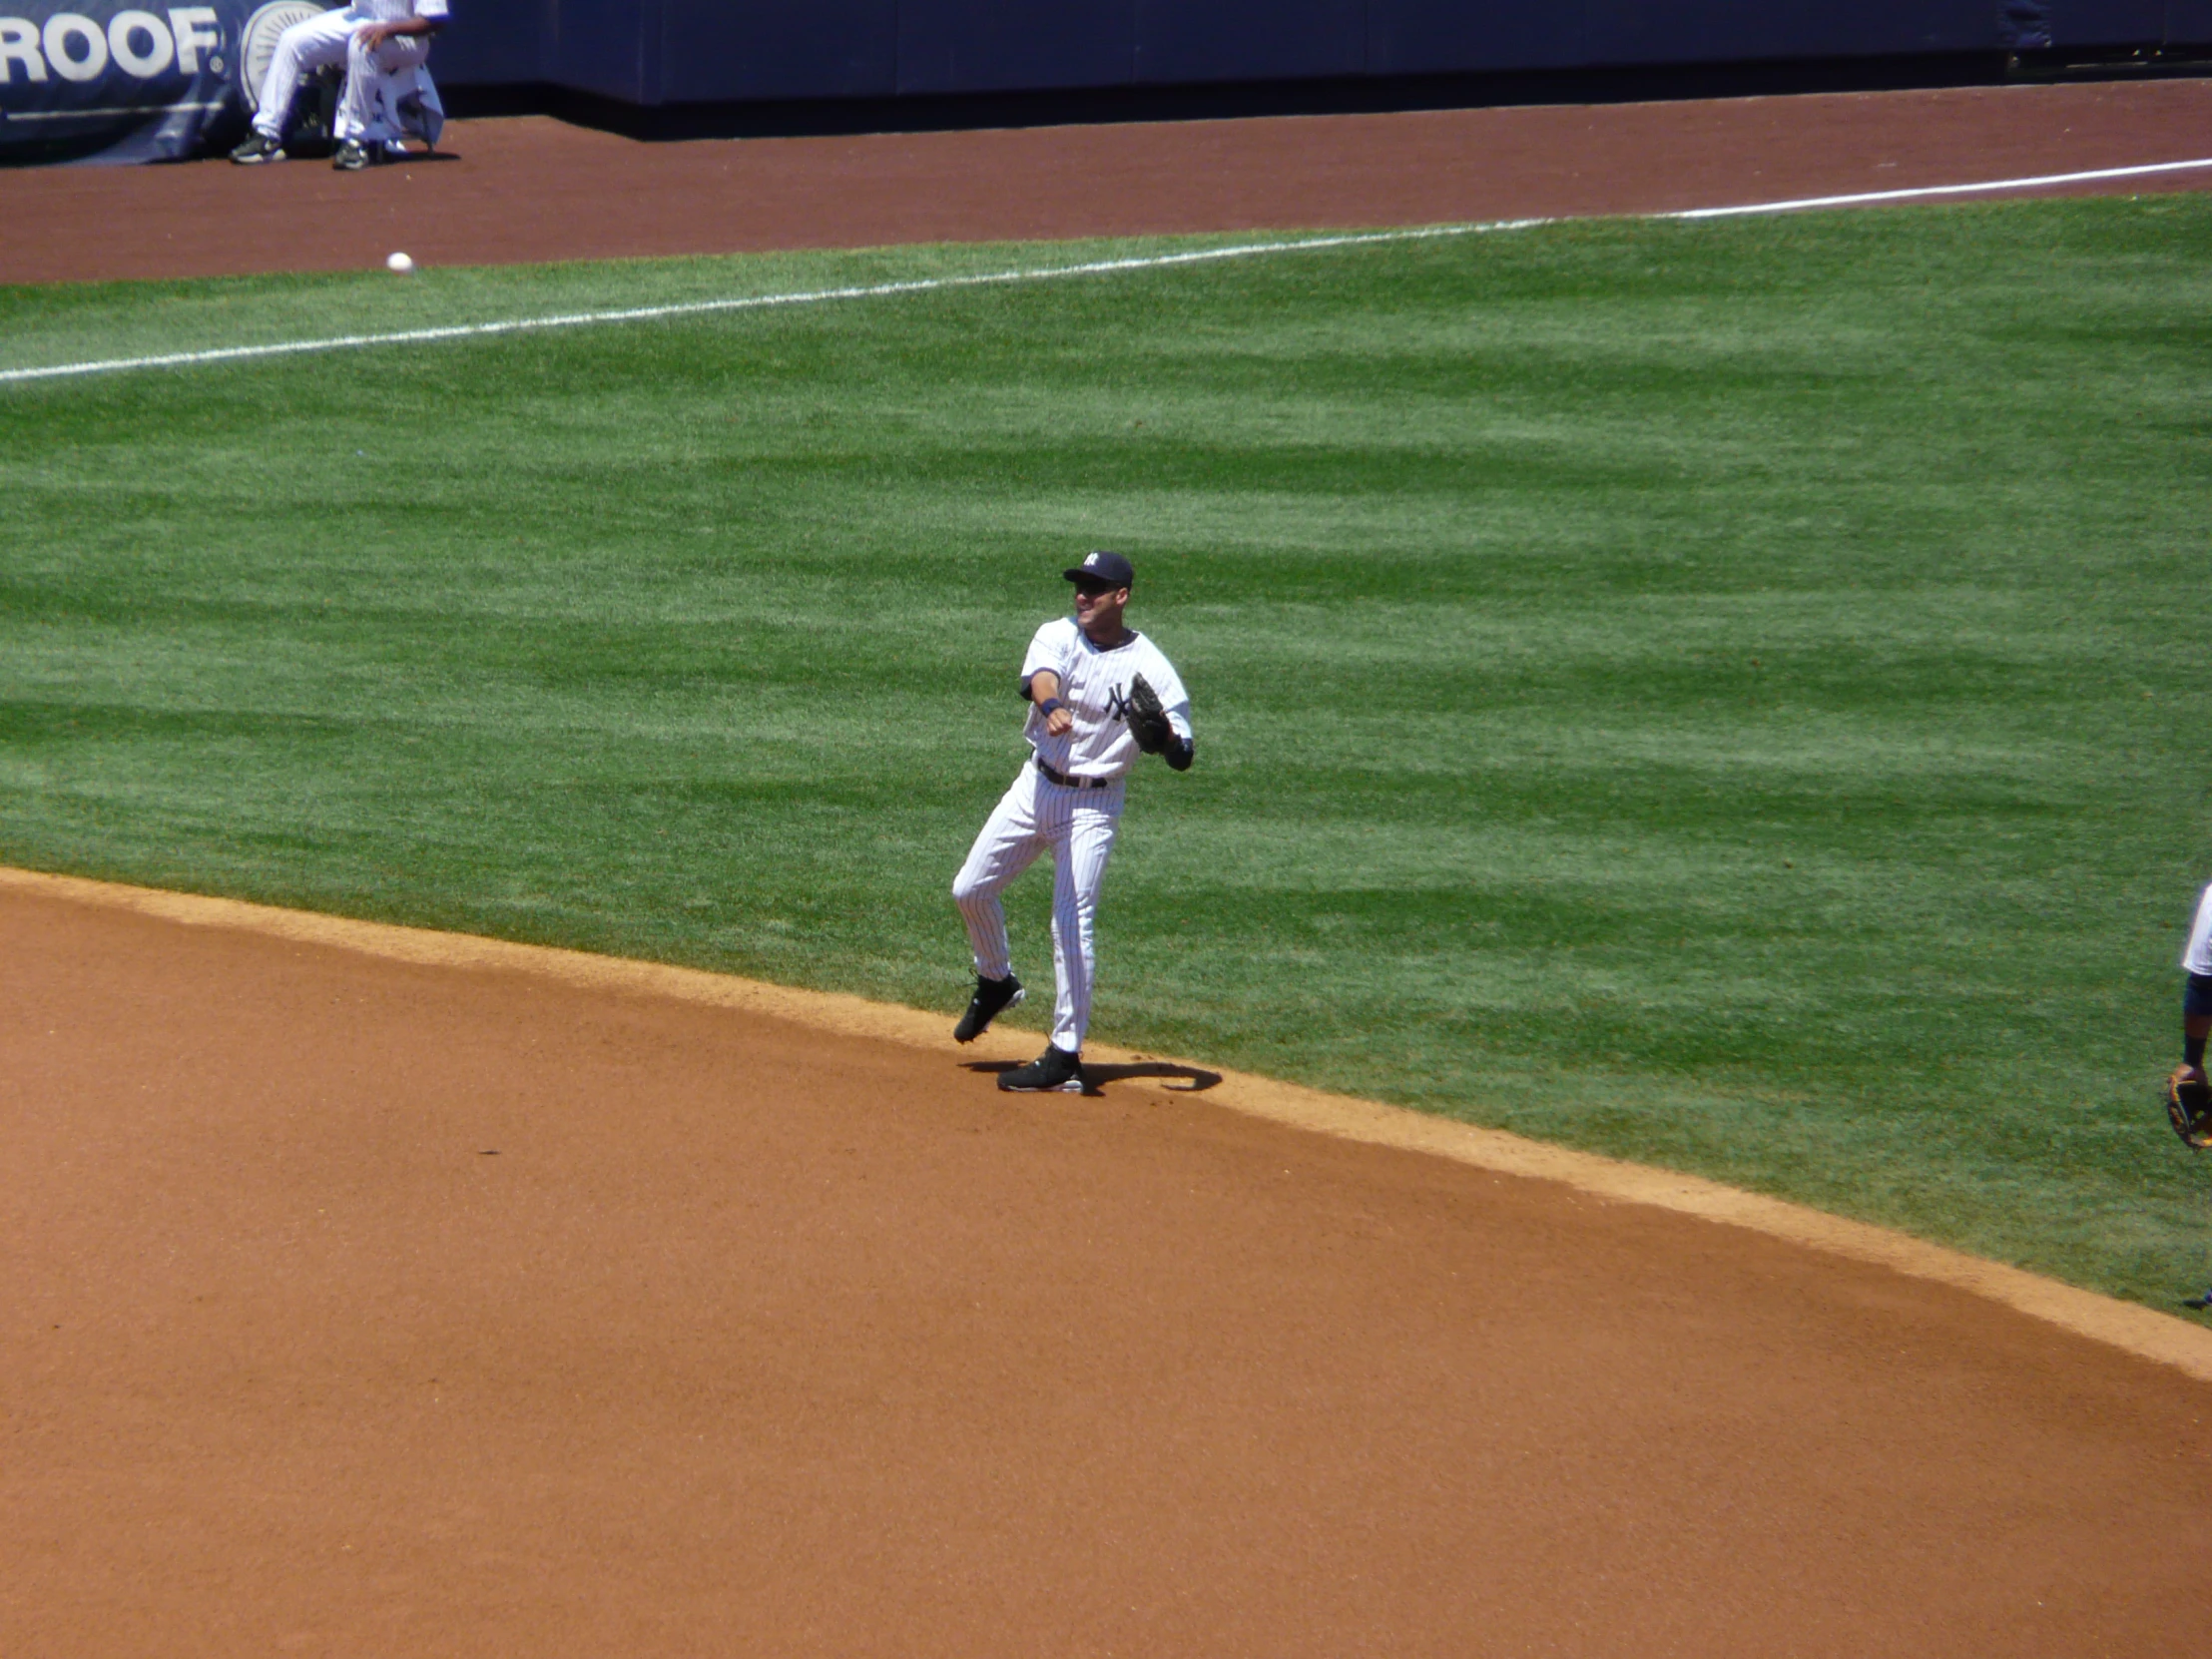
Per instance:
{"type": "Point", "coordinates": [1041, 681]}
{"type": "Point", "coordinates": [1044, 692]}
{"type": "Point", "coordinates": [429, 17]}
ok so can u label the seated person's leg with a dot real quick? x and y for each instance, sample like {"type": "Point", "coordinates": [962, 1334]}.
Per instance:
{"type": "Point", "coordinates": [303, 47]}
{"type": "Point", "coordinates": [364, 114]}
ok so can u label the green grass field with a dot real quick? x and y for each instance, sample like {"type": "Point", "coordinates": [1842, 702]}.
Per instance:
{"type": "Point", "coordinates": [1730, 694]}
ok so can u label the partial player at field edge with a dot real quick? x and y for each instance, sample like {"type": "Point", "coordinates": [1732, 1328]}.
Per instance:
{"type": "Point", "coordinates": [2188, 1096]}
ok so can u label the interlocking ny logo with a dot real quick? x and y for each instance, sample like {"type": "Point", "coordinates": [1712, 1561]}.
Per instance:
{"type": "Point", "coordinates": [1117, 707]}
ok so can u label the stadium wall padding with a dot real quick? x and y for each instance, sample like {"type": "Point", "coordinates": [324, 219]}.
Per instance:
{"type": "Point", "coordinates": [2189, 22]}
{"type": "Point", "coordinates": [652, 52]}
{"type": "Point", "coordinates": [1191, 42]}
{"type": "Point", "coordinates": [2108, 22]}
{"type": "Point", "coordinates": [1013, 45]}
{"type": "Point", "coordinates": [649, 53]}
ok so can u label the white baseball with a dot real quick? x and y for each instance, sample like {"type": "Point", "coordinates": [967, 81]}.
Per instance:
{"type": "Point", "coordinates": [399, 263]}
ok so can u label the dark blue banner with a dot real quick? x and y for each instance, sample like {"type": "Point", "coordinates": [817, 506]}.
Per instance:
{"type": "Point", "coordinates": [97, 80]}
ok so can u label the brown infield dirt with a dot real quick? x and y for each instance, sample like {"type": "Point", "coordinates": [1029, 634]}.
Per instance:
{"type": "Point", "coordinates": [380, 1293]}
{"type": "Point", "coordinates": [371, 1293]}
{"type": "Point", "coordinates": [530, 190]}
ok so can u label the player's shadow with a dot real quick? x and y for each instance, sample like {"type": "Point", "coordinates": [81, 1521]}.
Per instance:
{"type": "Point", "coordinates": [1095, 1078]}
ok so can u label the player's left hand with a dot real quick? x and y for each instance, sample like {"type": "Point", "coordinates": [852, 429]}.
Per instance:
{"type": "Point", "coordinates": [2189, 1106]}
{"type": "Point", "coordinates": [1148, 716]}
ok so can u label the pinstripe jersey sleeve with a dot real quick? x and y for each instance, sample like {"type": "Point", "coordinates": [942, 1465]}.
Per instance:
{"type": "Point", "coordinates": [1159, 674]}
{"type": "Point", "coordinates": [398, 11]}
{"type": "Point", "coordinates": [2198, 958]}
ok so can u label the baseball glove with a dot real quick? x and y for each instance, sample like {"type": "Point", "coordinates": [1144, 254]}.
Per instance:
{"type": "Point", "coordinates": [2189, 1106]}
{"type": "Point", "coordinates": [1147, 716]}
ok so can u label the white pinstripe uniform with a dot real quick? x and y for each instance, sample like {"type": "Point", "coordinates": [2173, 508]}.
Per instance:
{"type": "Point", "coordinates": [377, 78]}
{"type": "Point", "coordinates": [2197, 958]}
{"type": "Point", "coordinates": [1075, 822]}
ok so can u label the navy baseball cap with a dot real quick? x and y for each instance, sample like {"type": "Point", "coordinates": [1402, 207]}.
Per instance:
{"type": "Point", "coordinates": [1110, 569]}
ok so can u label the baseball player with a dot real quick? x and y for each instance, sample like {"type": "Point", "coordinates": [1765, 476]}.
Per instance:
{"type": "Point", "coordinates": [383, 45]}
{"type": "Point", "coordinates": [2188, 1097]}
{"type": "Point", "coordinates": [2186, 1090]}
{"type": "Point", "coordinates": [1099, 694]}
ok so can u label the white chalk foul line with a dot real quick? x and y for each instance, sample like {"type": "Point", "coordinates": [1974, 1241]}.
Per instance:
{"type": "Point", "coordinates": [749, 303]}
{"type": "Point", "coordinates": [1039, 274]}
{"type": "Point", "coordinates": [1868, 196]}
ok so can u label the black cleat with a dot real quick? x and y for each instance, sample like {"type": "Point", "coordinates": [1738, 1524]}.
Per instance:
{"type": "Point", "coordinates": [352, 157]}
{"type": "Point", "coordinates": [258, 149]}
{"type": "Point", "coordinates": [2204, 1301]}
{"type": "Point", "coordinates": [1055, 1072]}
{"type": "Point", "coordinates": [992, 997]}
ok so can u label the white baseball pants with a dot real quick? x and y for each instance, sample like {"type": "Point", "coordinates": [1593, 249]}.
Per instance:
{"type": "Point", "coordinates": [1077, 827]}
{"type": "Point", "coordinates": [363, 107]}
{"type": "Point", "coordinates": [314, 44]}
{"type": "Point", "coordinates": [375, 81]}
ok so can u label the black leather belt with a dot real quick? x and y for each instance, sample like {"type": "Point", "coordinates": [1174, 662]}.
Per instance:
{"type": "Point", "coordinates": [1066, 782]}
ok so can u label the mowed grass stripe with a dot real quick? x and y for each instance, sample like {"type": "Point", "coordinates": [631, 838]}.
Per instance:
{"type": "Point", "coordinates": [1716, 694]}
{"type": "Point", "coordinates": [1059, 270]}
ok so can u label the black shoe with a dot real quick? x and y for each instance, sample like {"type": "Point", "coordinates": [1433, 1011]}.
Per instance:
{"type": "Point", "coordinates": [2204, 1301]}
{"type": "Point", "coordinates": [992, 997]}
{"type": "Point", "coordinates": [1055, 1072]}
{"type": "Point", "coordinates": [352, 157]}
{"type": "Point", "coordinates": [256, 150]}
